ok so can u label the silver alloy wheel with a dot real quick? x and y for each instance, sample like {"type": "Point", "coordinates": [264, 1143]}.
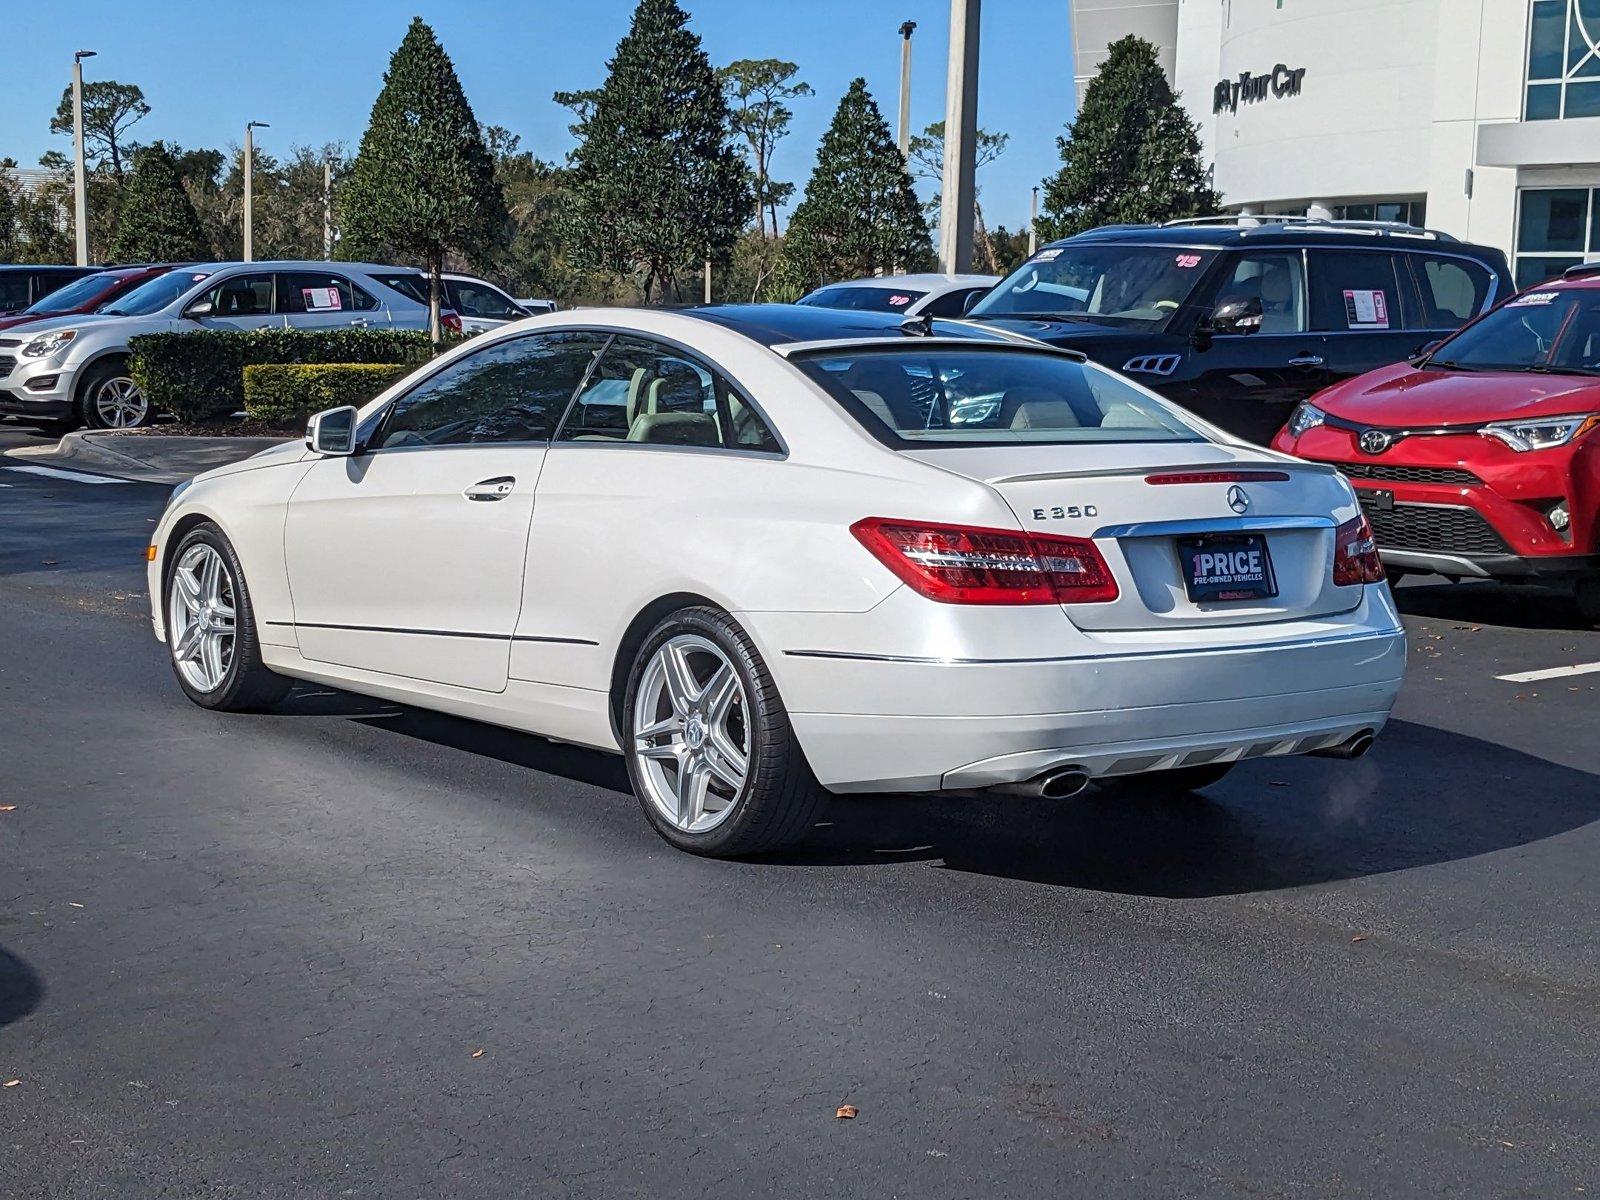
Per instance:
{"type": "Point", "coordinates": [201, 615]}
{"type": "Point", "coordinates": [691, 733]}
{"type": "Point", "coordinates": [120, 404]}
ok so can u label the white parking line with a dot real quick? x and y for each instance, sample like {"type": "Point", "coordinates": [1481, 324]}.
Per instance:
{"type": "Point", "coordinates": [75, 476]}
{"type": "Point", "coordinates": [1551, 673]}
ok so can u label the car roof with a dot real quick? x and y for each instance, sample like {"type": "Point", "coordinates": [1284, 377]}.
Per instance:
{"type": "Point", "coordinates": [783, 324]}
{"type": "Point", "coordinates": [306, 264]}
{"type": "Point", "coordinates": [1271, 232]}
{"type": "Point", "coordinates": [926, 280]}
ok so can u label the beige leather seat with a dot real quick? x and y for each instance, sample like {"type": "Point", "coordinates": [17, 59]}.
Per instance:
{"type": "Point", "coordinates": [676, 429]}
{"type": "Point", "coordinates": [1038, 408]}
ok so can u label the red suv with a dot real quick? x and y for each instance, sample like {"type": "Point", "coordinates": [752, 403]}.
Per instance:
{"type": "Point", "coordinates": [85, 294]}
{"type": "Point", "coordinates": [1480, 458]}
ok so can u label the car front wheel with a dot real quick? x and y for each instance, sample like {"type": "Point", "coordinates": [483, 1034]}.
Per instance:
{"type": "Point", "coordinates": [110, 399]}
{"type": "Point", "coordinates": [711, 754]}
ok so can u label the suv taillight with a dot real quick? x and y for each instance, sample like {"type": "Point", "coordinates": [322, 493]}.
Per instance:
{"type": "Point", "coordinates": [958, 564]}
{"type": "Point", "coordinates": [449, 321]}
{"type": "Point", "coordinates": [1355, 554]}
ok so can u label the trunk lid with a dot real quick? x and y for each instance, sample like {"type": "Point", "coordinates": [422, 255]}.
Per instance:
{"type": "Point", "coordinates": [1101, 491]}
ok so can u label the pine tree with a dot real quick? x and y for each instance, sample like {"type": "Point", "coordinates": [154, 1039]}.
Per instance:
{"type": "Point", "coordinates": [1132, 154]}
{"type": "Point", "coordinates": [422, 185]}
{"type": "Point", "coordinates": [157, 222]}
{"type": "Point", "coordinates": [656, 185]}
{"type": "Point", "coordinates": [860, 215]}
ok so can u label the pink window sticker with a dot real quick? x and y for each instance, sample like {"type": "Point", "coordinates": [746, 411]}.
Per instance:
{"type": "Point", "coordinates": [1187, 261]}
{"type": "Point", "coordinates": [1366, 308]}
{"type": "Point", "coordinates": [899, 301]}
{"type": "Point", "coordinates": [321, 299]}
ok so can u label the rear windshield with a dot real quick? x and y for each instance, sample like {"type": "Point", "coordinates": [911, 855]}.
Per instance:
{"type": "Point", "coordinates": [1552, 329]}
{"type": "Point", "coordinates": [1101, 282]}
{"type": "Point", "coordinates": [960, 397]}
{"type": "Point", "coordinates": [869, 299]}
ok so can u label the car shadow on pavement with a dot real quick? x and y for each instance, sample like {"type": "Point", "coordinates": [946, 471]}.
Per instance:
{"type": "Point", "coordinates": [20, 988]}
{"type": "Point", "coordinates": [1423, 796]}
{"type": "Point", "coordinates": [1514, 606]}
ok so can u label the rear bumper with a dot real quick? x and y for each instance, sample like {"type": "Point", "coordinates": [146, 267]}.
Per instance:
{"type": "Point", "coordinates": [982, 724]}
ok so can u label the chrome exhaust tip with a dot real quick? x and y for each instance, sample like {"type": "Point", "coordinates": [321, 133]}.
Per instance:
{"type": "Point", "coordinates": [1354, 747]}
{"type": "Point", "coordinates": [1062, 783]}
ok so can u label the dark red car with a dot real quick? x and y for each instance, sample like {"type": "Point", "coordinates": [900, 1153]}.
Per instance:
{"type": "Point", "coordinates": [1480, 458]}
{"type": "Point", "coordinates": [85, 294]}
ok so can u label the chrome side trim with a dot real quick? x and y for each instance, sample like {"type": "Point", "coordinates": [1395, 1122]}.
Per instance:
{"type": "Point", "coordinates": [1296, 643]}
{"type": "Point", "coordinates": [1212, 525]}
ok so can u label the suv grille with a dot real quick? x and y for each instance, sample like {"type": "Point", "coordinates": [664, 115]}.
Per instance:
{"type": "Point", "coordinates": [6, 363]}
{"type": "Point", "coordinates": [1425, 527]}
{"type": "Point", "coordinates": [1397, 474]}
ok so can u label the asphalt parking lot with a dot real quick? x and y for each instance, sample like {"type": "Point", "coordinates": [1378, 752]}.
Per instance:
{"type": "Point", "coordinates": [356, 949]}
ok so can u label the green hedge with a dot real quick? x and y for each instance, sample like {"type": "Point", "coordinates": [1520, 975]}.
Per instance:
{"type": "Point", "coordinates": [282, 393]}
{"type": "Point", "coordinates": [199, 375]}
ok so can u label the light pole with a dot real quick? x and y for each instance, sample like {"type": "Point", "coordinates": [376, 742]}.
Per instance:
{"type": "Point", "coordinates": [327, 206]}
{"type": "Point", "coordinates": [80, 182]}
{"type": "Point", "coordinates": [1033, 222]}
{"type": "Point", "coordinates": [960, 140]}
{"type": "Point", "coordinates": [906, 30]}
{"type": "Point", "coordinates": [249, 172]}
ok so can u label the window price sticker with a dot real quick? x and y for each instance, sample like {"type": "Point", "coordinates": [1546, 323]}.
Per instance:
{"type": "Point", "coordinates": [1365, 308]}
{"type": "Point", "coordinates": [323, 299]}
{"type": "Point", "coordinates": [1047, 255]}
{"type": "Point", "coordinates": [1533, 299]}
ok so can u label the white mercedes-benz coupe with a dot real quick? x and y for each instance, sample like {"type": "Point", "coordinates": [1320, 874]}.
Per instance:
{"type": "Point", "coordinates": [772, 553]}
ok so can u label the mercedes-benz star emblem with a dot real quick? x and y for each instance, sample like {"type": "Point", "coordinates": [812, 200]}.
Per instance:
{"type": "Point", "coordinates": [1375, 441]}
{"type": "Point", "coordinates": [1237, 500]}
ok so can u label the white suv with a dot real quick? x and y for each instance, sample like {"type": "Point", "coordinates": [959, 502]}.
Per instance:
{"type": "Point", "coordinates": [74, 370]}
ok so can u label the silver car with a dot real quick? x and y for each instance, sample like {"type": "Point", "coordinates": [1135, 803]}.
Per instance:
{"type": "Point", "coordinates": [73, 370]}
{"type": "Point", "coordinates": [909, 295]}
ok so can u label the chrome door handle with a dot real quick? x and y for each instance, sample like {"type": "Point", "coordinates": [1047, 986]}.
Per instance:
{"type": "Point", "coordinates": [1306, 360]}
{"type": "Point", "coordinates": [491, 489]}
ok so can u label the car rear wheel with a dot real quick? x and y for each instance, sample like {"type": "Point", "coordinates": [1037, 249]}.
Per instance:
{"type": "Point", "coordinates": [211, 628]}
{"type": "Point", "coordinates": [710, 751]}
{"type": "Point", "coordinates": [110, 399]}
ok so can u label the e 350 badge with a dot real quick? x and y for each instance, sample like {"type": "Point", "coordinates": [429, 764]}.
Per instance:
{"type": "Point", "coordinates": [1065, 512]}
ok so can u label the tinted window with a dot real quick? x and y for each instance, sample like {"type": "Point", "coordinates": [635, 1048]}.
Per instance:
{"type": "Point", "coordinates": [155, 294]}
{"type": "Point", "coordinates": [76, 294]}
{"type": "Point", "coordinates": [1362, 291]}
{"type": "Point", "coordinates": [413, 287]}
{"type": "Point", "coordinates": [321, 292]}
{"type": "Point", "coordinates": [642, 391]}
{"type": "Point", "coordinates": [14, 292]}
{"type": "Point", "coordinates": [1105, 283]}
{"type": "Point", "coordinates": [990, 398]}
{"type": "Point", "coordinates": [867, 299]}
{"type": "Point", "coordinates": [1275, 280]}
{"type": "Point", "coordinates": [1453, 290]}
{"type": "Point", "coordinates": [241, 296]}
{"type": "Point", "coordinates": [480, 300]}
{"type": "Point", "coordinates": [512, 391]}
{"type": "Point", "coordinates": [1554, 330]}
{"type": "Point", "coordinates": [952, 304]}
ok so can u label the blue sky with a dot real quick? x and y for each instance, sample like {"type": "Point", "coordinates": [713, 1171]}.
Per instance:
{"type": "Point", "coordinates": [313, 69]}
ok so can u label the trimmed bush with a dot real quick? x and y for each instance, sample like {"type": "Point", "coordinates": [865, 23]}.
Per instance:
{"type": "Point", "coordinates": [283, 393]}
{"type": "Point", "coordinates": [199, 375]}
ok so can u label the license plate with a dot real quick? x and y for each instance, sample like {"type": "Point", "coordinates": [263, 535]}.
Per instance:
{"type": "Point", "coordinates": [1227, 566]}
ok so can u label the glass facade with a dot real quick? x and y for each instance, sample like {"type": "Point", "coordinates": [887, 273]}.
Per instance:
{"type": "Point", "coordinates": [1557, 228]}
{"type": "Point", "coordinates": [1563, 60]}
{"type": "Point", "coordinates": [1407, 212]}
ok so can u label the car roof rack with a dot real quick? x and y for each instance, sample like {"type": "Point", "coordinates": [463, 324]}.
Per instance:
{"type": "Point", "coordinates": [1271, 221]}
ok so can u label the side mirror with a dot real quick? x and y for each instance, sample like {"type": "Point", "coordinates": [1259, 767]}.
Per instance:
{"type": "Point", "coordinates": [972, 299]}
{"type": "Point", "coordinates": [333, 432]}
{"type": "Point", "coordinates": [200, 308]}
{"type": "Point", "coordinates": [1423, 351]}
{"type": "Point", "coordinates": [1236, 316]}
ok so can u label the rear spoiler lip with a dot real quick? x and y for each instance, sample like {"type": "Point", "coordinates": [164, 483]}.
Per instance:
{"type": "Point", "coordinates": [1292, 465]}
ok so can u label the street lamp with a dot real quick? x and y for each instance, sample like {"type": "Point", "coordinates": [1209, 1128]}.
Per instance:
{"type": "Point", "coordinates": [906, 30]}
{"type": "Point", "coordinates": [249, 171]}
{"type": "Point", "coordinates": [80, 184]}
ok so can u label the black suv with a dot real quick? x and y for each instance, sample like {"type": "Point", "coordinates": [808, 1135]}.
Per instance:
{"type": "Point", "coordinates": [23, 286]}
{"type": "Point", "coordinates": [1238, 319]}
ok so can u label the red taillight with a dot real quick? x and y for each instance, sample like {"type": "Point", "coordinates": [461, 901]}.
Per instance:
{"type": "Point", "coordinates": [956, 564]}
{"type": "Point", "coordinates": [1355, 554]}
{"type": "Point", "coordinates": [450, 322]}
{"type": "Point", "coordinates": [1219, 477]}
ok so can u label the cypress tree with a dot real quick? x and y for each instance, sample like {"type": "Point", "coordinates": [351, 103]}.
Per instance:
{"type": "Point", "coordinates": [422, 185]}
{"type": "Point", "coordinates": [157, 221]}
{"type": "Point", "coordinates": [656, 185]}
{"type": "Point", "coordinates": [860, 215]}
{"type": "Point", "coordinates": [1132, 155]}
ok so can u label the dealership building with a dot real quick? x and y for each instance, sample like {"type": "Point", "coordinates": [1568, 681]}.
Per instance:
{"type": "Point", "coordinates": [1480, 118]}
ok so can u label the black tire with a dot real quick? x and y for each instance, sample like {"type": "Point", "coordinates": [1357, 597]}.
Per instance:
{"type": "Point", "coordinates": [247, 685]}
{"type": "Point", "coordinates": [1167, 785]}
{"type": "Point", "coordinates": [781, 798]}
{"type": "Point", "coordinates": [94, 380]}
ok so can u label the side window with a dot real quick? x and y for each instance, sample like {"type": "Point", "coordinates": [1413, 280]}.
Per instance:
{"type": "Point", "coordinates": [478, 300]}
{"type": "Point", "coordinates": [1277, 281]}
{"type": "Point", "coordinates": [1361, 291]}
{"type": "Point", "coordinates": [952, 304]}
{"type": "Point", "coordinates": [1453, 289]}
{"type": "Point", "coordinates": [641, 391]}
{"type": "Point", "coordinates": [14, 293]}
{"type": "Point", "coordinates": [240, 296]}
{"type": "Point", "coordinates": [513, 391]}
{"type": "Point", "coordinates": [314, 292]}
